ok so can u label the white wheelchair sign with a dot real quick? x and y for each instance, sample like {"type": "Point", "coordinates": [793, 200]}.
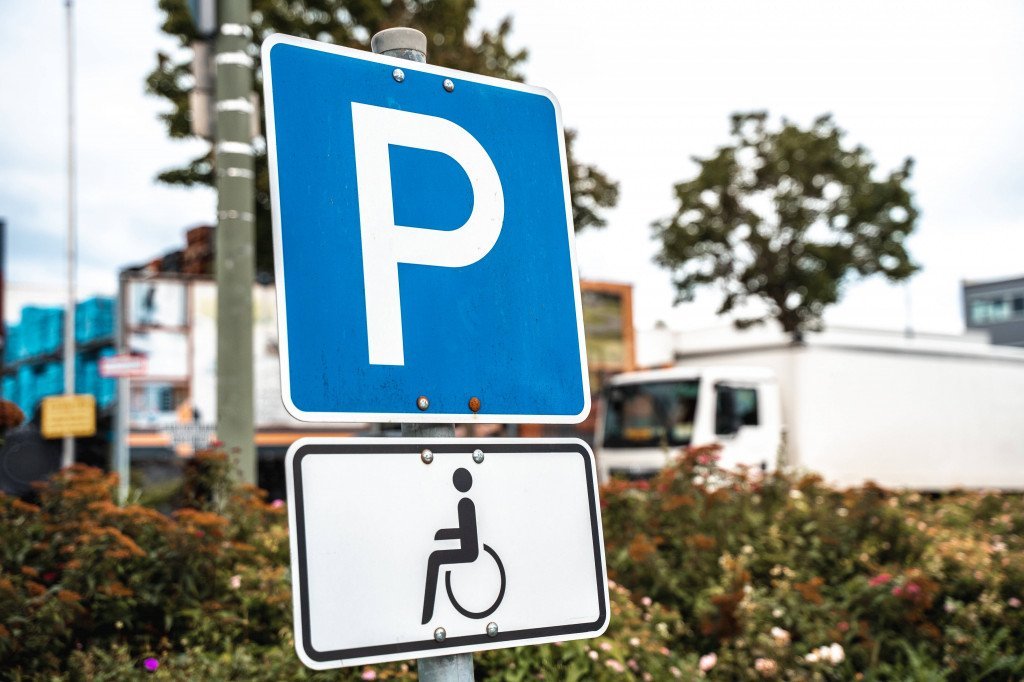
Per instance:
{"type": "Point", "coordinates": [501, 547]}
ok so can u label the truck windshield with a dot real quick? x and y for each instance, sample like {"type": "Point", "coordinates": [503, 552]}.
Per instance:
{"type": "Point", "coordinates": [651, 414]}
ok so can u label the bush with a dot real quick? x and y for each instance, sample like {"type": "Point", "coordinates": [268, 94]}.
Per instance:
{"type": "Point", "coordinates": [782, 576]}
{"type": "Point", "coordinates": [724, 575]}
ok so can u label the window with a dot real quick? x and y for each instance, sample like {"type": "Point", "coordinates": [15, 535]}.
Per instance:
{"type": "Point", "coordinates": [995, 308]}
{"type": "Point", "coordinates": [734, 407]}
{"type": "Point", "coordinates": [651, 414]}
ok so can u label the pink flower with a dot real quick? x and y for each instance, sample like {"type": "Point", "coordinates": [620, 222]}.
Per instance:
{"type": "Point", "coordinates": [277, 504]}
{"type": "Point", "coordinates": [897, 591]}
{"type": "Point", "coordinates": [880, 579]}
{"type": "Point", "coordinates": [708, 661]}
{"type": "Point", "coordinates": [151, 664]}
{"type": "Point", "coordinates": [766, 666]}
{"type": "Point", "coordinates": [605, 646]}
{"type": "Point", "coordinates": [913, 589]}
{"type": "Point", "coordinates": [368, 674]}
{"type": "Point", "coordinates": [236, 582]}
{"type": "Point", "coordinates": [646, 601]}
{"type": "Point", "coordinates": [615, 665]}
{"type": "Point", "coordinates": [1013, 603]}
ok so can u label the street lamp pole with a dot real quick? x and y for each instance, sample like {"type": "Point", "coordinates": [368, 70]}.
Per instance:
{"type": "Point", "coordinates": [68, 453]}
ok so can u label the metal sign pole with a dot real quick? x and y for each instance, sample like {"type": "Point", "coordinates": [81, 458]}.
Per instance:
{"type": "Point", "coordinates": [68, 454]}
{"type": "Point", "coordinates": [122, 455]}
{"type": "Point", "coordinates": [235, 261]}
{"type": "Point", "coordinates": [408, 43]}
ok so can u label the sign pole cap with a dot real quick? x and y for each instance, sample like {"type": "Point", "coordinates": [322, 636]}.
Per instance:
{"type": "Point", "coordinates": [392, 40]}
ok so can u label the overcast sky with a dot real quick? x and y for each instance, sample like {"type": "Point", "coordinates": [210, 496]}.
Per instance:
{"type": "Point", "coordinates": [646, 84]}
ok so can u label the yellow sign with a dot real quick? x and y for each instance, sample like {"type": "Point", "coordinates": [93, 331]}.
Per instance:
{"type": "Point", "coordinates": [69, 415]}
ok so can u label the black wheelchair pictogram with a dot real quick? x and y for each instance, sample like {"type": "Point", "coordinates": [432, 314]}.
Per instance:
{"type": "Point", "coordinates": [497, 602]}
{"type": "Point", "coordinates": [467, 552]}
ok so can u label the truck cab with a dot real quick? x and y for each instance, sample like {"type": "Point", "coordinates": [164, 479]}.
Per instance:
{"type": "Point", "coordinates": [647, 418]}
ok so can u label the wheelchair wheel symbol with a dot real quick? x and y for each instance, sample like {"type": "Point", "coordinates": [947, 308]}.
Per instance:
{"type": "Point", "coordinates": [497, 602]}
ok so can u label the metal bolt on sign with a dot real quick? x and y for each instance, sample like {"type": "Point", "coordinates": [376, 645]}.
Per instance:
{"type": "Point", "coordinates": [427, 456]}
{"type": "Point", "coordinates": [478, 456]}
{"type": "Point", "coordinates": [408, 43]}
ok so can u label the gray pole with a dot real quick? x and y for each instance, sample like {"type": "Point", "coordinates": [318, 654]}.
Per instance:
{"type": "Point", "coordinates": [68, 454]}
{"type": "Point", "coordinates": [122, 455]}
{"type": "Point", "coordinates": [235, 259]}
{"type": "Point", "coordinates": [408, 43]}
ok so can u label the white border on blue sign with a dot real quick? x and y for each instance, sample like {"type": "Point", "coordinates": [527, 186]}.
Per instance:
{"type": "Point", "coordinates": [275, 204]}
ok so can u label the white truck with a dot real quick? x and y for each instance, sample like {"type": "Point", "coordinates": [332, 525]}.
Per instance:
{"type": "Point", "coordinates": [926, 412]}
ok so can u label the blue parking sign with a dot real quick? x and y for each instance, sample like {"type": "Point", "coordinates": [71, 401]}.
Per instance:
{"type": "Point", "coordinates": [423, 242]}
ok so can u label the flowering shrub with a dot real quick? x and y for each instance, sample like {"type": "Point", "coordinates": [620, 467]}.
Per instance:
{"type": "Point", "coordinates": [716, 575]}
{"type": "Point", "coordinates": [782, 577]}
{"type": "Point", "coordinates": [78, 570]}
{"type": "Point", "coordinates": [91, 590]}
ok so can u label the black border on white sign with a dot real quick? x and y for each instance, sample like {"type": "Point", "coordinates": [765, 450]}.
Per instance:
{"type": "Point", "coordinates": [413, 447]}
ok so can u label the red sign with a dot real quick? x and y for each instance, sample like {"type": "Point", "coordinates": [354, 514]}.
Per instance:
{"type": "Point", "coordinates": [120, 366]}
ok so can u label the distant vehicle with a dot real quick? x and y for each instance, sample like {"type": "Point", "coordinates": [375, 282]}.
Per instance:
{"type": "Point", "coordinates": [928, 413]}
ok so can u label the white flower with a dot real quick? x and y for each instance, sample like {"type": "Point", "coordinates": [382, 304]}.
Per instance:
{"type": "Point", "coordinates": [236, 582]}
{"type": "Point", "coordinates": [634, 641]}
{"type": "Point", "coordinates": [780, 636]}
{"type": "Point", "coordinates": [708, 661]}
{"type": "Point", "coordinates": [795, 494]}
{"type": "Point", "coordinates": [747, 549]}
{"type": "Point", "coordinates": [833, 654]}
{"type": "Point", "coordinates": [843, 512]}
{"type": "Point", "coordinates": [778, 612]}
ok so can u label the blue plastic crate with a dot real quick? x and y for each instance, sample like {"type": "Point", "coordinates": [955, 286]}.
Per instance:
{"type": "Point", "coordinates": [94, 319]}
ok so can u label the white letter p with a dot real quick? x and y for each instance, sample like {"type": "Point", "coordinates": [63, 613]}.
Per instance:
{"type": "Point", "coordinates": [385, 244]}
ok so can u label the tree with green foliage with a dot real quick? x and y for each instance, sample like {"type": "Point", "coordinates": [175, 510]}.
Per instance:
{"type": "Point", "coordinates": [787, 216]}
{"type": "Point", "coordinates": [351, 23]}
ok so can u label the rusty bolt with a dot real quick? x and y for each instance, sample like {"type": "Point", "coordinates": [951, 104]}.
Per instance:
{"type": "Point", "coordinates": [422, 403]}
{"type": "Point", "coordinates": [474, 404]}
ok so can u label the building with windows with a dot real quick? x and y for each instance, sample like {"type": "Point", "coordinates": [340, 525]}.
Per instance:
{"type": "Point", "coordinates": [996, 306]}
